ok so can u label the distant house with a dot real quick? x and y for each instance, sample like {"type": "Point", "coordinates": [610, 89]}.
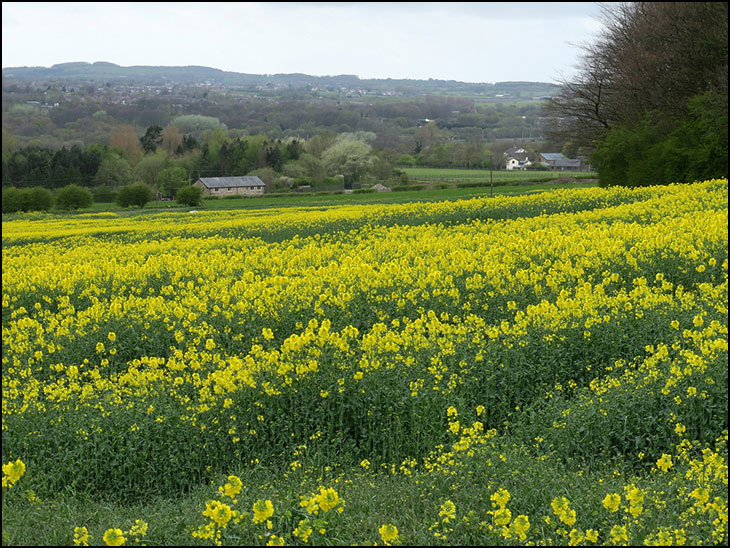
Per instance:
{"type": "Point", "coordinates": [516, 158]}
{"type": "Point", "coordinates": [556, 161]}
{"type": "Point", "coordinates": [227, 186]}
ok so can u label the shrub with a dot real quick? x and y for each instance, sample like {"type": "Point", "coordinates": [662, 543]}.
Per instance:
{"type": "Point", "coordinates": [190, 196]}
{"type": "Point", "coordinates": [74, 197]}
{"type": "Point", "coordinates": [37, 199]}
{"type": "Point", "coordinates": [103, 194]}
{"type": "Point", "coordinates": [172, 179]}
{"type": "Point", "coordinates": [12, 199]}
{"type": "Point", "coordinates": [398, 188]}
{"type": "Point", "coordinates": [138, 194]}
{"type": "Point", "coordinates": [26, 199]}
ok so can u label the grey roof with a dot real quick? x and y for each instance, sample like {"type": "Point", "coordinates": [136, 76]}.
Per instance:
{"type": "Point", "coordinates": [552, 156]}
{"type": "Point", "coordinates": [220, 182]}
{"type": "Point", "coordinates": [567, 162]}
{"type": "Point", "coordinates": [521, 156]}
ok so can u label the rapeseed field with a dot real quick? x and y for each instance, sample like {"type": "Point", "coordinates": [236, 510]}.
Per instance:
{"type": "Point", "coordinates": [540, 370]}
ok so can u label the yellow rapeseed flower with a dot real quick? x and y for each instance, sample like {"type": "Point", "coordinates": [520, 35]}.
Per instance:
{"type": "Point", "coordinates": [81, 536]}
{"type": "Point", "coordinates": [502, 516]}
{"type": "Point", "coordinates": [114, 537]}
{"type": "Point", "coordinates": [12, 472]}
{"type": "Point", "coordinates": [612, 502]}
{"type": "Point", "coordinates": [501, 497]}
{"type": "Point", "coordinates": [218, 512]}
{"type": "Point", "coordinates": [448, 511]}
{"type": "Point", "coordinates": [520, 526]}
{"type": "Point", "coordinates": [388, 532]}
{"type": "Point", "coordinates": [262, 510]}
{"type": "Point", "coordinates": [618, 534]}
{"type": "Point", "coordinates": [665, 462]}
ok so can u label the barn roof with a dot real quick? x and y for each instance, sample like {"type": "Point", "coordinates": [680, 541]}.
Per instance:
{"type": "Point", "coordinates": [220, 182]}
{"type": "Point", "coordinates": [554, 156]}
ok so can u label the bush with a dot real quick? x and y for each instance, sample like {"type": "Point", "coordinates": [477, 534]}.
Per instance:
{"type": "Point", "coordinates": [104, 194]}
{"type": "Point", "coordinates": [190, 196]}
{"type": "Point", "coordinates": [172, 179]}
{"type": "Point", "coordinates": [398, 188]}
{"type": "Point", "coordinates": [12, 200]}
{"type": "Point", "coordinates": [303, 181]}
{"type": "Point", "coordinates": [26, 199]}
{"type": "Point", "coordinates": [38, 199]}
{"type": "Point", "coordinates": [138, 194]}
{"type": "Point", "coordinates": [74, 197]}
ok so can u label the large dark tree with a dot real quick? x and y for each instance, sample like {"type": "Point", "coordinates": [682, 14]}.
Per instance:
{"type": "Point", "coordinates": [152, 138]}
{"type": "Point", "coordinates": [646, 70]}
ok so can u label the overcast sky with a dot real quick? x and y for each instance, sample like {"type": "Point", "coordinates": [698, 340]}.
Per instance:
{"type": "Point", "coordinates": [465, 41]}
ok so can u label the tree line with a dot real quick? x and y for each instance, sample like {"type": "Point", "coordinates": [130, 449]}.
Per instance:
{"type": "Point", "coordinates": [650, 99]}
{"type": "Point", "coordinates": [166, 160]}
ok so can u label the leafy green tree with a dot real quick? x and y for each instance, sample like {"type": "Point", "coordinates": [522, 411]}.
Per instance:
{"type": "Point", "coordinates": [149, 167]}
{"type": "Point", "coordinates": [170, 179]}
{"type": "Point", "coordinates": [239, 157]}
{"type": "Point", "coordinates": [644, 154]}
{"type": "Point", "coordinates": [74, 197]}
{"type": "Point", "coordinates": [313, 167]}
{"type": "Point", "coordinates": [319, 143]}
{"type": "Point", "coordinates": [151, 139]}
{"type": "Point", "coordinates": [188, 144]}
{"type": "Point", "coordinates": [294, 149]}
{"type": "Point", "coordinates": [274, 157]}
{"type": "Point", "coordinates": [114, 172]}
{"type": "Point", "coordinates": [197, 125]}
{"type": "Point", "coordinates": [190, 196]}
{"type": "Point", "coordinates": [350, 159]}
{"type": "Point", "coordinates": [406, 160]}
{"type": "Point", "coordinates": [657, 117]}
{"type": "Point", "coordinates": [138, 194]}
{"type": "Point", "coordinates": [9, 142]}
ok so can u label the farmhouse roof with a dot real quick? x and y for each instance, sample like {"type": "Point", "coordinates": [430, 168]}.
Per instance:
{"type": "Point", "coordinates": [517, 155]}
{"type": "Point", "coordinates": [554, 156]}
{"type": "Point", "coordinates": [220, 182]}
{"type": "Point", "coordinates": [567, 162]}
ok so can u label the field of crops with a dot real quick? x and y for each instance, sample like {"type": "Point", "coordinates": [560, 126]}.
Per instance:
{"type": "Point", "coordinates": [544, 369]}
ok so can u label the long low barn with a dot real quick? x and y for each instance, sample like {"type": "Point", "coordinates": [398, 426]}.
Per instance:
{"type": "Point", "coordinates": [227, 186]}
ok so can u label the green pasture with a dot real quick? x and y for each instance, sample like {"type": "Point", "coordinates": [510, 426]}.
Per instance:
{"type": "Point", "coordinates": [455, 175]}
{"type": "Point", "coordinates": [426, 194]}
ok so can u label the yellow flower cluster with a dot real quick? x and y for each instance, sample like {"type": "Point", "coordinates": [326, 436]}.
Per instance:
{"type": "Point", "coordinates": [388, 532]}
{"type": "Point", "coordinates": [325, 500]}
{"type": "Point", "coordinates": [113, 536]}
{"type": "Point", "coordinates": [12, 472]}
